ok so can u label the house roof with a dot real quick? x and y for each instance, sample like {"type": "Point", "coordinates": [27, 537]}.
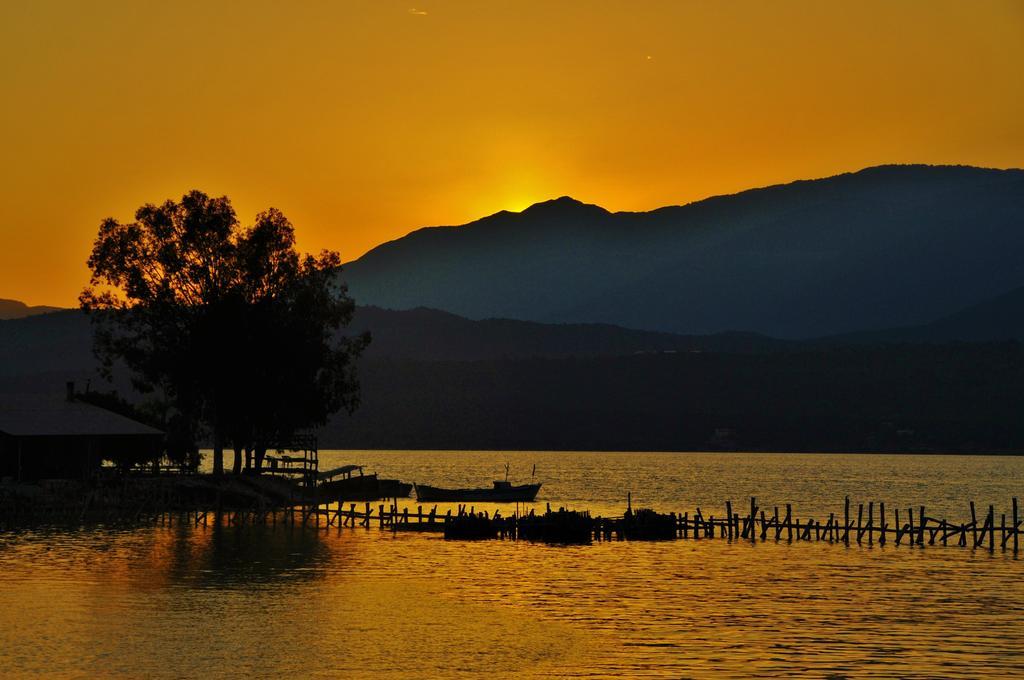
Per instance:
{"type": "Point", "coordinates": [35, 415]}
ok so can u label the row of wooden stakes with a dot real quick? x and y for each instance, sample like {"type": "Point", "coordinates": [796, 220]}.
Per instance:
{"type": "Point", "coordinates": [868, 527]}
{"type": "Point", "coordinates": [914, 527]}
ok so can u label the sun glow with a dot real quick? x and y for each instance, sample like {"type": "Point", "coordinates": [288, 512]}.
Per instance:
{"type": "Point", "coordinates": [516, 195]}
{"type": "Point", "coordinates": [365, 121]}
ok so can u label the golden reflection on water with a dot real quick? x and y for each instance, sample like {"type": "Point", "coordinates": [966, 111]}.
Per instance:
{"type": "Point", "coordinates": [273, 601]}
{"type": "Point", "coordinates": [283, 601]}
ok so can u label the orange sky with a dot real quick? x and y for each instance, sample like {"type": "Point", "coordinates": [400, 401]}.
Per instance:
{"type": "Point", "coordinates": [364, 120]}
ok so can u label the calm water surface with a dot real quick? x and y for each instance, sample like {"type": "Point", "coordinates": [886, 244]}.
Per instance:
{"type": "Point", "coordinates": [282, 601]}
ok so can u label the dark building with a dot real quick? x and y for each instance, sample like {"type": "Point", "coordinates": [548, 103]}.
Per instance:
{"type": "Point", "coordinates": [65, 437]}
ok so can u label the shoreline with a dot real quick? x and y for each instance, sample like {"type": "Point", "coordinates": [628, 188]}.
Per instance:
{"type": "Point", "coordinates": [132, 498]}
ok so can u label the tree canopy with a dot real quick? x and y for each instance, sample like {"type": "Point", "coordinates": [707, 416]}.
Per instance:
{"type": "Point", "coordinates": [232, 326]}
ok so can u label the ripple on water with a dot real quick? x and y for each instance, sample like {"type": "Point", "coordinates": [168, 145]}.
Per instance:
{"type": "Point", "coordinates": [283, 601]}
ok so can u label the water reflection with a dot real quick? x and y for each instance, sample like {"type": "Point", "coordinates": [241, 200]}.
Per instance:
{"type": "Point", "coordinates": [293, 601]}
{"type": "Point", "coordinates": [251, 555]}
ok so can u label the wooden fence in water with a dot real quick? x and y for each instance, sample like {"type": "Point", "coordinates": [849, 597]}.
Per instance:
{"type": "Point", "coordinates": [868, 528]}
{"type": "Point", "coordinates": [914, 527]}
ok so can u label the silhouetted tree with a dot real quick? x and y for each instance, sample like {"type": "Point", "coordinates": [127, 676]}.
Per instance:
{"type": "Point", "coordinates": [237, 329]}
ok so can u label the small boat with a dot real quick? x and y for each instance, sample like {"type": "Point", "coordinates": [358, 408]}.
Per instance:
{"type": "Point", "coordinates": [393, 488]}
{"type": "Point", "coordinates": [502, 492]}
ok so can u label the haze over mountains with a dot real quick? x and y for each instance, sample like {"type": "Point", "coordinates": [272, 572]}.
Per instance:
{"type": "Point", "coordinates": [892, 294]}
{"type": "Point", "coordinates": [886, 247]}
{"type": "Point", "coordinates": [62, 341]}
{"type": "Point", "coordinates": [435, 380]}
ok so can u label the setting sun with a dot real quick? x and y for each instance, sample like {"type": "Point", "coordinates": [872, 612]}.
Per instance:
{"type": "Point", "coordinates": [364, 121]}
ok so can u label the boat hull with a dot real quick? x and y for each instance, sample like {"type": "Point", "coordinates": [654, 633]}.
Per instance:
{"type": "Point", "coordinates": [392, 488]}
{"type": "Point", "coordinates": [512, 494]}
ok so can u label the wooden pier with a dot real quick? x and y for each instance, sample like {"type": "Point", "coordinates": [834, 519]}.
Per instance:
{"type": "Point", "coordinates": [866, 525]}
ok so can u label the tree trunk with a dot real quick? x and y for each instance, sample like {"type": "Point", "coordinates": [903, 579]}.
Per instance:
{"type": "Point", "coordinates": [237, 467]}
{"type": "Point", "coordinates": [156, 461]}
{"type": "Point", "coordinates": [218, 455]}
{"type": "Point", "coordinates": [248, 458]}
{"type": "Point", "coordinates": [261, 452]}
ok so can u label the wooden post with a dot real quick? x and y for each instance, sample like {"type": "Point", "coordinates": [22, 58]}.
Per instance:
{"type": "Point", "coordinates": [789, 522]}
{"type": "Point", "coordinates": [991, 528]}
{"type": "Point", "coordinates": [871, 521]}
{"type": "Point", "coordinates": [974, 524]}
{"type": "Point", "coordinates": [924, 520]}
{"type": "Point", "coordinates": [1016, 525]}
{"type": "Point", "coordinates": [881, 522]}
{"type": "Point", "coordinates": [860, 514]}
{"type": "Point", "coordinates": [753, 515]}
{"type": "Point", "coordinates": [846, 521]}
{"type": "Point", "coordinates": [728, 513]}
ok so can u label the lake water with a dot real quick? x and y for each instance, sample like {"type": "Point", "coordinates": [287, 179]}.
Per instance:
{"type": "Point", "coordinates": [285, 601]}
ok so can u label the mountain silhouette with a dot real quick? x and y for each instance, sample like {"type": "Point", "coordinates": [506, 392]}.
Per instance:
{"type": "Point", "coordinates": [14, 309]}
{"type": "Point", "coordinates": [62, 341]}
{"type": "Point", "coordinates": [885, 247]}
{"type": "Point", "coordinates": [432, 379]}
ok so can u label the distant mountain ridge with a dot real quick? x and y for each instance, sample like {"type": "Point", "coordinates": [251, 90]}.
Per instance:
{"type": "Point", "coordinates": [885, 247]}
{"type": "Point", "coordinates": [63, 341]}
{"type": "Point", "coordinates": [14, 309]}
{"type": "Point", "coordinates": [435, 380]}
